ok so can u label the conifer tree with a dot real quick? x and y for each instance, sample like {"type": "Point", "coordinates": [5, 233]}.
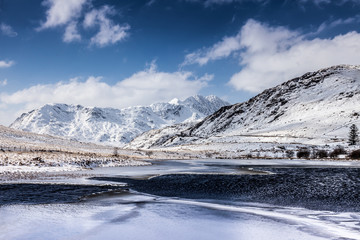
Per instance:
{"type": "Point", "coordinates": [353, 135]}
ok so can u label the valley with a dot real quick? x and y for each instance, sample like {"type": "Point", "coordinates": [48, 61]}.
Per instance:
{"type": "Point", "coordinates": [279, 160]}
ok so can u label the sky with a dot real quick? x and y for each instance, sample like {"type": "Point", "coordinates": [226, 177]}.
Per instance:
{"type": "Point", "coordinates": [121, 53]}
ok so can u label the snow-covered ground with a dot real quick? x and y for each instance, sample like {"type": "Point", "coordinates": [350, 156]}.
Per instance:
{"type": "Point", "coordinates": [28, 152]}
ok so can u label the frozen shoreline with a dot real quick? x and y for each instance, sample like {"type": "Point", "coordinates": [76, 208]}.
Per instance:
{"type": "Point", "coordinates": [133, 215]}
{"type": "Point", "coordinates": [77, 169]}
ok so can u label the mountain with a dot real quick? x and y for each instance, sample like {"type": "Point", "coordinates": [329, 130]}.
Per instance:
{"type": "Point", "coordinates": [114, 126]}
{"type": "Point", "coordinates": [316, 108]}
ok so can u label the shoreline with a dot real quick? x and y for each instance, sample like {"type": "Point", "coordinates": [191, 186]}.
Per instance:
{"type": "Point", "coordinates": [16, 173]}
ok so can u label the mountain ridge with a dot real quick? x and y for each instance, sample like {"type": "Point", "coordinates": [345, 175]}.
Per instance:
{"type": "Point", "coordinates": [317, 107]}
{"type": "Point", "coordinates": [114, 126]}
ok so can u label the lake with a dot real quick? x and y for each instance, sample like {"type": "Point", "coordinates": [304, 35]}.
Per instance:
{"type": "Point", "coordinates": [189, 199]}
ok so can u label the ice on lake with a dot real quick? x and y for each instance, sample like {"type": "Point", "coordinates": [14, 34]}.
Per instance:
{"type": "Point", "coordinates": [140, 221]}
{"type": "Point", "coordinates": [133, 215]}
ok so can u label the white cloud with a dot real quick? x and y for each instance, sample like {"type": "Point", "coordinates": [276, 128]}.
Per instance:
{"type": "Point", "coordinates": [350, 20]}
{"type": "Point", "coordinates": [90, 18]}
{"type": "Point", "coordinates": [229, 45]}
{"type": "Point", "coordinates": [4, 82]}
{"type": "Point", "coordinates": [220, 50]}
{"type": "Point", "coordinates": [142, 88]}
{"type": "Point", "coordinates": [335, 23]}
{"type": "Point", "coordinates": [271, 55]}
{"type": "Point", "coordinates": [150, 2]}
{"type": "Point", "coordinates": [61, 12]}
{"type": "Point", "coordinates": [7, 30]}
{"type": "Point", "coordinates": [109, 32]}
{"type": "Point", "coordinates": [67, 13]}
{"type": "Point", "coordinates": [6, 64]}
{"type": "Point", "coordinates": [71, 33]}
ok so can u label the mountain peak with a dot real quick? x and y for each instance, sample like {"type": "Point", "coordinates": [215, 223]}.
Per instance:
{"type": "Point", "coordinates": [175, 101]}
{"type": "Point", "coordinates": [329, 93]}
{"type": "Point", "coordinates": [93, 124]}
{"type": "Point", "coordinates": [315, 108]}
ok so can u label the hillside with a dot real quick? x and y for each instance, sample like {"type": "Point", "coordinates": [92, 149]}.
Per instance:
{"type": "Point", "coordinates": [114, 126]}
{"type": "Point", "coordinates": [21, 141]}
{"type": "Point", "coordinates": [316, 108]}
{"type": "Point", "coordinates": [23, 151]}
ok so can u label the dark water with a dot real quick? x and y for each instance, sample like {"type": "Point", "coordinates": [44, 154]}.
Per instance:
{"type": "Point", "coordinates": [334, 189]}
{"type": "Point", "coordinates": [47, 193]}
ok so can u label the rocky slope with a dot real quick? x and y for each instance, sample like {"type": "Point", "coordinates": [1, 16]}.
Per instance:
{"type": "Point", "coordinates": [316, 108]}
{"type": "Point", "coordinates": [114, 126]}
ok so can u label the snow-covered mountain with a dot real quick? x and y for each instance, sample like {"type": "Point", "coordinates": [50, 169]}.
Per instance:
{"type": "Point", "coordinates": [316, 108]}
{"type": "Point", "coordinates": [115, 126]}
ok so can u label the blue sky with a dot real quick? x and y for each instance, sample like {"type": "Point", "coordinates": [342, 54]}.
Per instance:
{"type": "Point", "coordinates": [122, 53]}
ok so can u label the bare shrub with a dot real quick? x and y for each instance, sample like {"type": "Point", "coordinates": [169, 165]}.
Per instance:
{"type": "Point", "coordinates": [337, 151]}
{"type": "Point", "coordinates": [321, 154]}
{"type": "Point", "coordinates": [303, 153]}
{"type": "Point", "coordinates": [116, 152]}
{"type": "Point", "coordinates": [289, 153]}
{"type": "Point", "coordinates": [149, 153]}
{"type": "Point", "coordinates": [355, 154]}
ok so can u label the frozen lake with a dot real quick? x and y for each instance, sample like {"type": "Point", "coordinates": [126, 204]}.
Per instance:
{"type": "Point", "coordinates": [193, 199]}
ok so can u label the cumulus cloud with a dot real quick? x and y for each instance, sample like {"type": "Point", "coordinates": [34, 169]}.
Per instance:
{"type": "Point", "coordinates": [68, 13]}
{"type": "Point", "coordinates": [220, 50]}
{"type": "Point", "coordinates": [71, 33]}
{"type": "Point", "coordinates": [3, 82]}
{"type": "Point", "coordinates": [6, 64]}
{"type": "Point", "coordinates": [7, 30]}
{"type": "Point", "coordinates": [109, 32]}
{"type": "Point", "coordinates": [61, 12]}
{"type": "Point", "coordinates": [271, 55]}
{"type": "Point", "coordinates": [142, 88]}
{"type": "Point", "coordinates": [230, 45]}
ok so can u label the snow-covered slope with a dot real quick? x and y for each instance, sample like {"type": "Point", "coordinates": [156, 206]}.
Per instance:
{"type": "Point", "coordinates": [158, 137]}
{"type": "Point", "coordinates": [20, 141]}
{"type": "Point", "coordinates": [316, 108]}
{"type": "Point", "coordinates": [30, 152]}
{"type": "Point", "coordinates": [114, 126]}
